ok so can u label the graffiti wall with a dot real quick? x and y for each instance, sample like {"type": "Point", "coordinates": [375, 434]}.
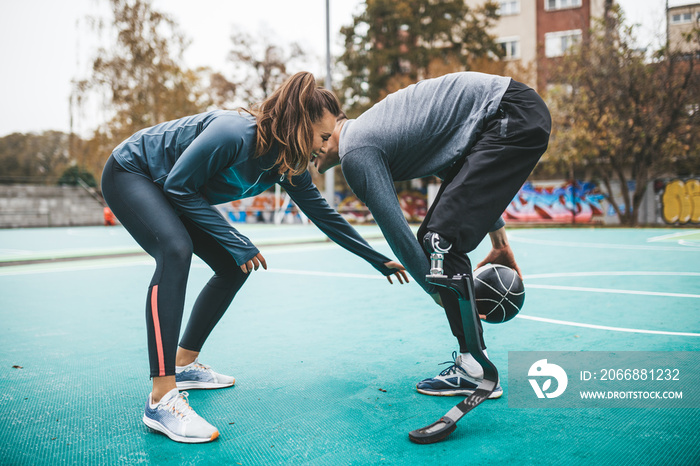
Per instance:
{"type": "Point", "coordinates": [566, 202]}
{"type": "Point", "coordinates": [260, 209]}
{"type": "Point", "coordinates": [561, 202]}
{"type": "Point", "coordinates": [553, 202]}
{"type": "Point", "coordinates": [680, 201]}
{"type": "Point", "coordinates": [670, 201]}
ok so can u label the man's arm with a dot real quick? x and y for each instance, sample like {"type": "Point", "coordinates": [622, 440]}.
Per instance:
{"type": "Point", "coordinates": [369, 178]}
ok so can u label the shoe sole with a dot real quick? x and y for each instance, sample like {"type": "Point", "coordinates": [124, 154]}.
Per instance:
{"type": "Point", "coordinates": [193, 385]}
{"type": "Point", "coordinates": [157, 426]}
{"type": "Point", "coordinates": [492, 396]}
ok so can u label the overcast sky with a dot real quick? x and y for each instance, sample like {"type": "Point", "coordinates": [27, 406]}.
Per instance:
{"type": "Point", "coordinates": [44, 44]}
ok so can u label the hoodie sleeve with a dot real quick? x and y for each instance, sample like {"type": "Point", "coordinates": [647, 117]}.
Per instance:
{"type": "Point", "coordinates": [214, 149]}
{"type": "Point", "coordinates": [376, 190]}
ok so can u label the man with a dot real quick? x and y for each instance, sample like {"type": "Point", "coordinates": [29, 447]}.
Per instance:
{"type": "Point", "coordinates": [483, 135]}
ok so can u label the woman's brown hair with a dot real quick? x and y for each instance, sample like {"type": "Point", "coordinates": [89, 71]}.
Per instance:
{"type": "Point", "coordinates": [286, 117]}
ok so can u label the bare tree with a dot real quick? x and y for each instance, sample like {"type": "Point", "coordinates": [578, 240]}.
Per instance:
{"type": "Point", "coordinates": [260, 67]}
{"type": "Point", "coordinates": [140, 76]}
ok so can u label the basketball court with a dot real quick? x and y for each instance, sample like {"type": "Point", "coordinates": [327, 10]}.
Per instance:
{"type": "Point", "coordinates": [326, 353]}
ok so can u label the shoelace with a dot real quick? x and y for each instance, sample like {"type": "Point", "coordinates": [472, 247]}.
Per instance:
{"type": "Point", "coordinates": [453, 365]}
{"type": "Point", "coordinates": [179, 405]}
{"type": "Point", "coordinates": [199, 366]}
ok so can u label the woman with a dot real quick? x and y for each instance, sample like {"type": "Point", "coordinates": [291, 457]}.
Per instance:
{"type": "Point", "coordinates": [162, 183]}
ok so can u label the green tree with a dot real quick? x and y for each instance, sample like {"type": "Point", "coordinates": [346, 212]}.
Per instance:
{"type": "Point", "coordinates": [33, 158]}
{"type": "Point", "coordinates": [623, 118]}
{"type": "Point", "coordinates": [394, 43]}
{"type": "Point", "coordinates": [73, 174]}
{"type": "Point", "coordinates": [140, 77]}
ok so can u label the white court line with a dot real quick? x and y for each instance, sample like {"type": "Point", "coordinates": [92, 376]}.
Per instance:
{"type": "Point", "coordinates": [141, 261]}
{"type": "Point", "coordinates": [612, 274]}
{"type": "Point", "coordinates": [517, 238]}
{"type": "Point", "coordinates": [672, 235]}
{"type": "Point", "coordinates": [613, 291]}
{"type": "Point", "coordinates": [605, 327]}
{"type": "Point", "coordinates": [108, 262]}
{"type": "Point", "coordinates": [125, 262]}
{"type": "Point", "coordinates": [542, 319]}
{"type": "Point", "coordinates": [378, 276]}
{"type": "Point", "coordinates": [93, 264]}
{"type": "Point", "coordinates": [528, 285]}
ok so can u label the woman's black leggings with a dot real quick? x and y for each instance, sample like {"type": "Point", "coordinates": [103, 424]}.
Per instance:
{"type": "Point", "coordinates": [145, 212]}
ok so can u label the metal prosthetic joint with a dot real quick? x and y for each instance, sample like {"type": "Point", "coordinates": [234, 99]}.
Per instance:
{"type": "Point", "coordinates": [437, 247]}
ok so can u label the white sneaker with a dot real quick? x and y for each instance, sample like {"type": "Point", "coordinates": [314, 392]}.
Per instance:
{"type": "Point", "coordinates": [200, 376]}
{"type": "Point", "coordinates": [174, 417]}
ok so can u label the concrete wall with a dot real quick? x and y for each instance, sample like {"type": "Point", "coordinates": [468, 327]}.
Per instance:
{"type": "Point", "coordinates": [44, 206]}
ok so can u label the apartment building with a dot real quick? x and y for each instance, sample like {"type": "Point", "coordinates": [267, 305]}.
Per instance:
{"type": "Point", "coordinates": [681, 18]}
{"type": "Point", "coordinates": [535, 32]}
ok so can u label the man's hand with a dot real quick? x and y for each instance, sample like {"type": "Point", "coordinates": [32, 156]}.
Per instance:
{"type": "Point", "coordinates": [501, 253]}
{"type": "Point", "coordinates": [400, 272]}
{"type": "Point", "coordinates": [254, 264]}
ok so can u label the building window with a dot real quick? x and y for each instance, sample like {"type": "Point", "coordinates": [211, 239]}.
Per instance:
{"type": "Point", "coordinates": [510, 46]}
{"type": "Point", "coordinates": [558, 43]}
{"type": "Point", "coordinates": [550, 5]}
{"type": "Point", "coordinates": [508, 7]}
{"type": "Point", "coordinates": [681, 18]}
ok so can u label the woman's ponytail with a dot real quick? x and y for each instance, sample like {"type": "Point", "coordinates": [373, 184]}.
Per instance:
{"type": "Point", "coordinates": [286, 118]}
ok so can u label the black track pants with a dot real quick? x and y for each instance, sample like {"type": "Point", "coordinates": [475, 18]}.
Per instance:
{"type": "Point", "coordinates": [477, 191]}
{"type": "Point", "coordinates": [142, 208]}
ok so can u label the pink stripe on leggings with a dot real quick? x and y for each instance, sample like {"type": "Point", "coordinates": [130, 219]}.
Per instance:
{"type": "Point", "coordinates": [156, 326]}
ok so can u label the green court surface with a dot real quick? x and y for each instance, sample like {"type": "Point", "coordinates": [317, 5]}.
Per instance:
{"type": "Point", "coordinates": [326, 353]}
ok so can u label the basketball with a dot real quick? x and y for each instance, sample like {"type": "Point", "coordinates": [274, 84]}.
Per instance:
{"type": "Point", "coordinates": [499, 293]}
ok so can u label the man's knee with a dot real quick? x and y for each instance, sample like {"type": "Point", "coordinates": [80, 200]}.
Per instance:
{"type": "Point", "coordinates": [455, 260]}
{"type": "Point", "coordinates": [434, 242]}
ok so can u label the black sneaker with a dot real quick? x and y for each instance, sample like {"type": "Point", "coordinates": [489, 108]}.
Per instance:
{"type": "Point", "coordinates": [453, 381]}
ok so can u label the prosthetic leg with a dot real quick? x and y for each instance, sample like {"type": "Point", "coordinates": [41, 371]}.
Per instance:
{"type": "Point", "coordinates": [463, 287]}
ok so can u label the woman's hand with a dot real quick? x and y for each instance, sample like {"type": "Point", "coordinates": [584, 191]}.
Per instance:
{"type": "Point", "coordinates": [254, 264]}
{"type": "Point", "coordinates": [400, 272]}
